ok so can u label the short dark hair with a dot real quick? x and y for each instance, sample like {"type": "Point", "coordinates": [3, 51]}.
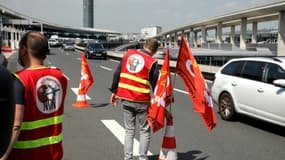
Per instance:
{"type": "Point", "coordinates": [36, 43]}
{"type": "Point", "coordinates": [152, 44]}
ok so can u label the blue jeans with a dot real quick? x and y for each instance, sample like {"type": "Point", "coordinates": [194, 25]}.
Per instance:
{"type": "Point", "coordinates": [135, 112]}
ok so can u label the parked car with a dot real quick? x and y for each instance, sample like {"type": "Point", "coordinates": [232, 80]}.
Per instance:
{"type": "Point", "coordinates": [251, 86]}
{"type": "Point", "coordinates": [95, 50]}
{"type": "Point", "coordinates": [53, 43]}
{"type": "Point", "coordinates": [69, 45]}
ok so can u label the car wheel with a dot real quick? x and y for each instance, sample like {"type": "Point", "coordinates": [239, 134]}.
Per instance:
{"type": "Point", "coordinates": [226, 107]}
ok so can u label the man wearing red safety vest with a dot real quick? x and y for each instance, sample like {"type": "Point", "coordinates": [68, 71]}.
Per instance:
{"type": "Point", "coordinates": [133, 82]}
{"type": "Point", "coordinates": [40, 94]}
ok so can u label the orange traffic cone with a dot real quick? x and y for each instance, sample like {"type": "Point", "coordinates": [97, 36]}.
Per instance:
{"type": "Point", "coordinates": [81, 101]}
{"type": "Point", "coordinates": [86, 81]}
{"type": "Point", "coordinates": [168, 151]}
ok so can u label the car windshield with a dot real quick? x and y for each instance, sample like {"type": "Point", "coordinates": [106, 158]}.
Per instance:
{"type": "Point", "coordinates": [95, 45]}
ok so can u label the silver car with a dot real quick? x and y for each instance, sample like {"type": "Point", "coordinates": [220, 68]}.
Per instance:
{"type": "Point", "coordinates": [251, 86]}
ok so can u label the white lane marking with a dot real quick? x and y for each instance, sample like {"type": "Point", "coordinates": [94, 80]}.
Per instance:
{"type": "Point", "coordinates": [78, 59]}
{"type": "Point", "coordinates": [107, 68]}
{"type": "Point", "coordinates": [119, 132]}
{"type": "Point", "coordinates": [114, 60]}
{"type": "Point", "coordinates": [75, 90]}
{"type": "Point", "coordinates": [181, 91]}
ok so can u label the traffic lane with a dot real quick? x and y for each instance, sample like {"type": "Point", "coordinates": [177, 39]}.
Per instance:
{"type": "Point", "coordinates": [229, 140]}
{"type": "Point", "coordinates": [236, 130]}
{"type": "Point", "coordinates": [85, 137]}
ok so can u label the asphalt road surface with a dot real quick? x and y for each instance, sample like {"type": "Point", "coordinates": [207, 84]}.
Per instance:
{"type": "Point", "coordinates": [97, 132]}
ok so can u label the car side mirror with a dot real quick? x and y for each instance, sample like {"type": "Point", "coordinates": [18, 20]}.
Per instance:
{"type": "Point", "coordinates": [279, 83]}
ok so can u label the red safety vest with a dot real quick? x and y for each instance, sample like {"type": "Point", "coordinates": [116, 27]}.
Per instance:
{"type": "Point", "coordinates": [41, 131]}
{"type": "Point", "coordinates": [134, 82]}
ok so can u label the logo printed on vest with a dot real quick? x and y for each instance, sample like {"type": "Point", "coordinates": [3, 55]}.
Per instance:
{"type": "Point", "coordinates": [49, 94]}
{"type": "Point", "coordinates": [135, 63]}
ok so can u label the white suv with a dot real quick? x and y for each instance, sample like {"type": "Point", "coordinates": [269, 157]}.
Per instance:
{"type": "Point", "coordinates": [251, 86]}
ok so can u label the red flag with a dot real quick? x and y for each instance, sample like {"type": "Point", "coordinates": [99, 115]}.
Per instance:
{"type": "Point", "coordinates": [86, 79]}
{"type": "Point", "coordinates": [188, 69]}
{"type": "Point", "coordinates": [161, 98]}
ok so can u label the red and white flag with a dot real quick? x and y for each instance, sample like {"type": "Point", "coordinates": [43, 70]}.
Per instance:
{"type": "Point", "coordinates": [161, 98]}
{"type": "Point", "coordinates": [86, 79]}
{"type": "Point", "coordinates": [188, 69]}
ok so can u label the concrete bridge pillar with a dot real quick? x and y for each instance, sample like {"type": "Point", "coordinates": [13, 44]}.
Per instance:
{"type": "Point", "coordinates": [179, 38]}
{"type": "Point", "coordinates": [17, 38]}
{"type": "Point", "coordinates": [170, 40]}
{"type": "Point", "coordinates": [191, 37]}
{"type": "Point", "coordinates": [243, 25]}
{"type": "Point", "coordinates": [203, 33]}
{"type": "Point", "coordinates": [233, 27]}
{"type": "Point", "coordinates": [195, 39]}
{"type": "Point", "coordinates": [164, 40]}
{"type": "Point", "coordinates": [254, 33]}
{"type": "Point", "coordinates": [5, 41]}
{"type": "Point", "coordinates": [219, 33]}
{"type": "Point", "coordinates": [175, 39]}
{"type": "Point", "coordinates": [281, 35]}
{"type": "Point", "coordinates": [12, 39]}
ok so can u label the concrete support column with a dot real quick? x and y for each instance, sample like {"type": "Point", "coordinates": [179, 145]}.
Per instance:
{"type": "Point", "coordinates": [175, 39]}
{"type": "Point", "coordinates": [42, 28]}
{"type": "Point", "coordinates": [233, 28]}
{"type": "Point", "coordinates": [191, 37]}
{"type": "Point", "coordinates": [219, 33]}
{"type": "Point", "coordinates": [170, 40]}
{"type": "Point", "coordinates": [17, 40]}
{"type": "Point", "coordinates": [281, 35]}
{"type": "Point", "coordinates": [179, 38]}
{"type": "Point", "coordinates": [12, 35]}
{"type": "Point", "coordinates": [1, 27]}
{"type": "Point", "coordinates": [195, 39]}
{"type": "Point", "coordinates": [254, 33]}
{"type": "Point", "coordinates": [203, 33]}
{"type": "Point", "coordinates": [188, 35]}
{"type": "Point", "coordinates": [243, 25]}
{"type": "Point", "coordinates": [167, 40]}
{"type": "Point", "coordinates": [5, 41]}
{"type": "Point", "coordinates": [164, 40]}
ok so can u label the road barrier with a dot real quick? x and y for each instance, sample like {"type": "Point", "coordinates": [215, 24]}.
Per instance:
{"type": "Point", "coordinates": [6, 49]}
{"type": "Point", "coordinates": [207, 71]}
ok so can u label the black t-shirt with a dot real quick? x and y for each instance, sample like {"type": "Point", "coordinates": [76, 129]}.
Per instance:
{"type": "Point", "coordinates": [7, 108]}
{"type": "Point", "coordinates": [3, 60]}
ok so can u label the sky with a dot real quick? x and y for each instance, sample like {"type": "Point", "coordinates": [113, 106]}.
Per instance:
{"type": "Point", "coordinates": [130, 15]}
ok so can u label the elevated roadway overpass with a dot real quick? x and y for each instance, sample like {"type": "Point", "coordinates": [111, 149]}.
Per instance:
{"type": "Point", "coordinates": [269, 12]}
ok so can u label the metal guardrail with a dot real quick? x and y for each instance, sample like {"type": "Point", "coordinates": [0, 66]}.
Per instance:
{"type": "Point", "coordinates": [207, 71]}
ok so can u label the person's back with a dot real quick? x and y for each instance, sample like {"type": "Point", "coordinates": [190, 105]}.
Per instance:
{"type": "Point", "coordinates": [39, 104]}
{"type": "Point", "coordinates": [133, 82]}
{"type": "Point", "coordinates": [45, 90]}
{"type": "Point", "coordinates": [7, 108]}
